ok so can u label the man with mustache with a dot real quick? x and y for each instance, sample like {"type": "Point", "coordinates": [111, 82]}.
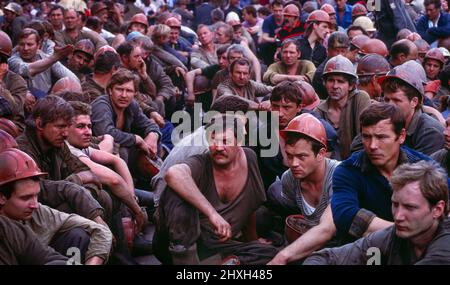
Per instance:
{"type": "Point", "coordinates": [420, 234]}
{"type": "Point", "coordinates": [209, 206]}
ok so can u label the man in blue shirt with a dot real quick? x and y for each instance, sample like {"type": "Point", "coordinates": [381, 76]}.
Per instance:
{"type": "Point", "coordinates": [344, 14]}
{"type": "Point", "coordinates": [270, 27]}
{"type": "Point", "coordinates": [435, 24]}
{"type": "Point", "coordinates": [361, 201]}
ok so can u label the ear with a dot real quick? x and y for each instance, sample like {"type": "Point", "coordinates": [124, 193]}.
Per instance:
{"type": "Point", "coordinates": [414, 102]}
{"type": "Point", "coordinates": [402, 136]}
{"type": "Point", "coordinates": [321, 155]}
{"type": "Point", "coordinates": [438, 209]}
{"type": "Point", "coordinates": [300, 107]}
{"type": "Point", "coordinates": [38, 123]}
{"type": "Point", "coordinates": [2, 200]}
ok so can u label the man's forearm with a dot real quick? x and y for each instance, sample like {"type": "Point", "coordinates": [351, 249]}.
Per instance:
{"type": "Point", "coordinates": [41, 65]}
{"type": "Point", "coordinates": [377, 224]}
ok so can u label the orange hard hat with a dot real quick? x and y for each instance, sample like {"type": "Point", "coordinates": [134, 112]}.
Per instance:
{"type": "Point", "coordinates": [9, 127]}
{"type": "Point", "coordinates": [5, 44]}
{"type": "Point", "coordinates": [139, 18]}
{"type": "Point", "coordinates": [328, 9]}
{"type": "Point", "coordinates": [307, 125]}
{"type": "Point", "coordinates": [318, 16]}
{"type": "Point", "coordinates": [374, 46]}
{"type": "Point", "coordinates": [436, 54]}
{"type": "Point", "coordinates": [7, 141]}
{"type": "Point", "coordinates": [65, 84]}
{"type": "Point", "coordinates": [15, 165]}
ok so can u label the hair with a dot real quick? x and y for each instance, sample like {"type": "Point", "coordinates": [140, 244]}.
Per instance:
{"type": "Point", "coordinates": [93, 23]}
{"type": "Point", "coordinates": [8, 188]}
{"type": "Point", "coordinates": [338, 39]}
{"type": "Point", "coordinates": [444, 76]}
{"type": "Point", "coordinates": [391, 85]}
{"type": "Point", "coordinates": [236, 48]}
{"type": "Point", "coordinates": [288, 42]}
{"type": "Point", "coordinates": [364, 80]}
{"type": "Point", "coordinates": [251, 11]}
{"type": "Point", "coordinates": [354, 28]}
{"type": "Point", "coordinates": [401, 46]}
{"type": "Point", "coordinates": [377, 112]}
{"type": "Point", "coordinates": [80, 108]}
{"type": "Point", "coordinates": [125, 48]}
{"type": "Point", "coordinates": [351, 80]}
{"type": "Point", "coordinates": [25, 33]}
{"type": "Point", "coordinates": [217, 15]}
{"type": "Point", "coordinates": [241, 61]}
{"type": "Point", "coordinates": [431, 177]}
{"type": "Point", "coordinates": [144, 42]}
{"type": "Point", "coordinates": [228, 30]}
{"type": "Point", "coordinates": [222, 49]}
{"type": "Point", "coordinates": [122, 76]}
{"type": "Point", "coordinates": [106, 62]}
{"type": "Point", "coordinates": [51, 108]}
{"type": "Point", "coordinates": [229, 103]}
{"type": "Point", "coordinates": [55, 7]}
{"type": "Point", "coordinates": [201, 26]}
{"type": "Point", "coordinates": [49, 29]}
{"type": "Point", "coordinates": [403, 34]}
{"type": "Point", "coordinates": [264, 11]}
{"type": "Point", "coordinates": [436, 3]}
{"type": "Point", "coordinates": [160, 31]}
{"type": "Point", "coordinates": [287, 91]}
{"type": "Point", "coordinates": [292, 138]}
{"type": "Point", "coordinates": [73, 96]}
{"type": "Point", "coordinates": [38, 27]}
{"type": "Point", "coordinates": [277, 3]}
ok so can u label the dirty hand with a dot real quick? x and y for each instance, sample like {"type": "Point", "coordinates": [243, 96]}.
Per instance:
{"type": "Point", "coordinates": [221, 227]}
{"type": "Point", "coordinates": [63, 52]}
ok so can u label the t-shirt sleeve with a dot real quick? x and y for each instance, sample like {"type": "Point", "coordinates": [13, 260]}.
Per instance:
{"type": "Point", "coordinates": [196, 164]}
{"type": "Point", "coordinates": [210, 71]}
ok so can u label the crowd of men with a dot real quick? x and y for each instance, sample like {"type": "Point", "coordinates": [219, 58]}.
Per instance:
{"type": "Point", "coordinates": [100, 141]}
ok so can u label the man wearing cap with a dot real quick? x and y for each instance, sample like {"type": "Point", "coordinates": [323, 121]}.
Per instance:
{"type": "Point", "coordinates": [403, 88]}
{"type": "Point", "coordinates": [73, 33]}
{"type": "Point", "coordinates": [19, 190]}
{"type": "Point", "coordinates": [106, 62]}
{"type": "Point", "coordinates": [332, 13]}
{"type": "Point", "coordinates": [79, 62]}
{"type": "Point", "coordinates": [14, 86]}
{"type": "Point", "coordinates": [338, 43]}
{"type": "Point", "coordinates": [433, 63]}
{"type": "Point", "coordinates": [344, 14]}
{"type": "Point", "coordinates": [138, 23]}
{"type": "Point", "coordinates": [14, 21]}
{"type": "Point", "coordinates": [176, 41]}
{"type": "Point", "coordinates": [361, 201]}
{"type": "Point", "coordinates": [310, 43]}
{"type": "Point", "coordinates": [306, 187]}
{"type": "Point", "coordinates": [344, 103]}
{"type": "Point", "coordinates": [38, 69]}
{"type": "Point", "coordinates": [290, 67]}
{"type": "Point", "coordinates": [370, 67]}
{"type": "Point", "coordinates": [292, 26]}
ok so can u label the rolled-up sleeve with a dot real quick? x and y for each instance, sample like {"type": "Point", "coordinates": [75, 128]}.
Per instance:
{"type": "Point", "coordinates": [19, 66]}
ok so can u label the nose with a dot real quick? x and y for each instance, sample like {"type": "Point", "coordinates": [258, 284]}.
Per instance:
{"type": "Point", "coordinates": [398, 214]}
{"type": "Point", "coordinates": [373, 145]}
{"type": "Point", "coordinates": [65, 132]}
{"type": "Point", "coordinates": [34, 203]}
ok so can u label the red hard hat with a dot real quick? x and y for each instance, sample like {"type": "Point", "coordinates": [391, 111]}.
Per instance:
{"type": "Point", "coordinates": [173, 22]}
{"type": "Point", "coordinates": [374, 46]}
{"type": "Point", "coordinates": [359, 10]}
{"type": "Point", "coordinates": [372, 64]}
{"type": "Point", "coordinates": [5, 44]}
{"type": "Point", "coordinates": [15, 165]}
{"type": "Point", "coordinates": [102, 50]}
{"type": "Point", "coordinates": [7, 141]}
{"type": "Point", "coordinates": [328, 9]}
{"type": "Point", "coordinates": [318, 16]}
{"type": "Point", "coordinates": [86, 46]}
{"type": "Point", "coordinates": [310, 99]}
{"type": "Point", "coordinates": [66, 83]}
{"type": "Point", "coordinates": [339, 65]}
{"type": "Point", "coordinates": [308, 125]}
{"type": "Point", "coordinates": [9, 127]}
{"type": "Point", "coordinates": [139, 18]}
{"type": "Point", "coordinates": [359, 40]}
{"type": "Point", "coordinates": [436, 54]}
{"type": "Point", "coordinates": [295, 227]}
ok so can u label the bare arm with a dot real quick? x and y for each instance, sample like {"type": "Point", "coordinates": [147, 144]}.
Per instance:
{"type": "Point", "coordinates": [255, 62]}
{"type": "Point", "coordinates": [277, 78]}
{"type": "Point", "coordinates": [45, 63]}
{"type": "Point", "coordinates": [309, 242]}
{"type": "Point", "coordinates": [377, 224]}
{"type": "Point", "coordinates": [265, 38]}
{"type": "Point", "coordinates": [178, 177]}
{"type": "Point", "coordinates": [189, 79]}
